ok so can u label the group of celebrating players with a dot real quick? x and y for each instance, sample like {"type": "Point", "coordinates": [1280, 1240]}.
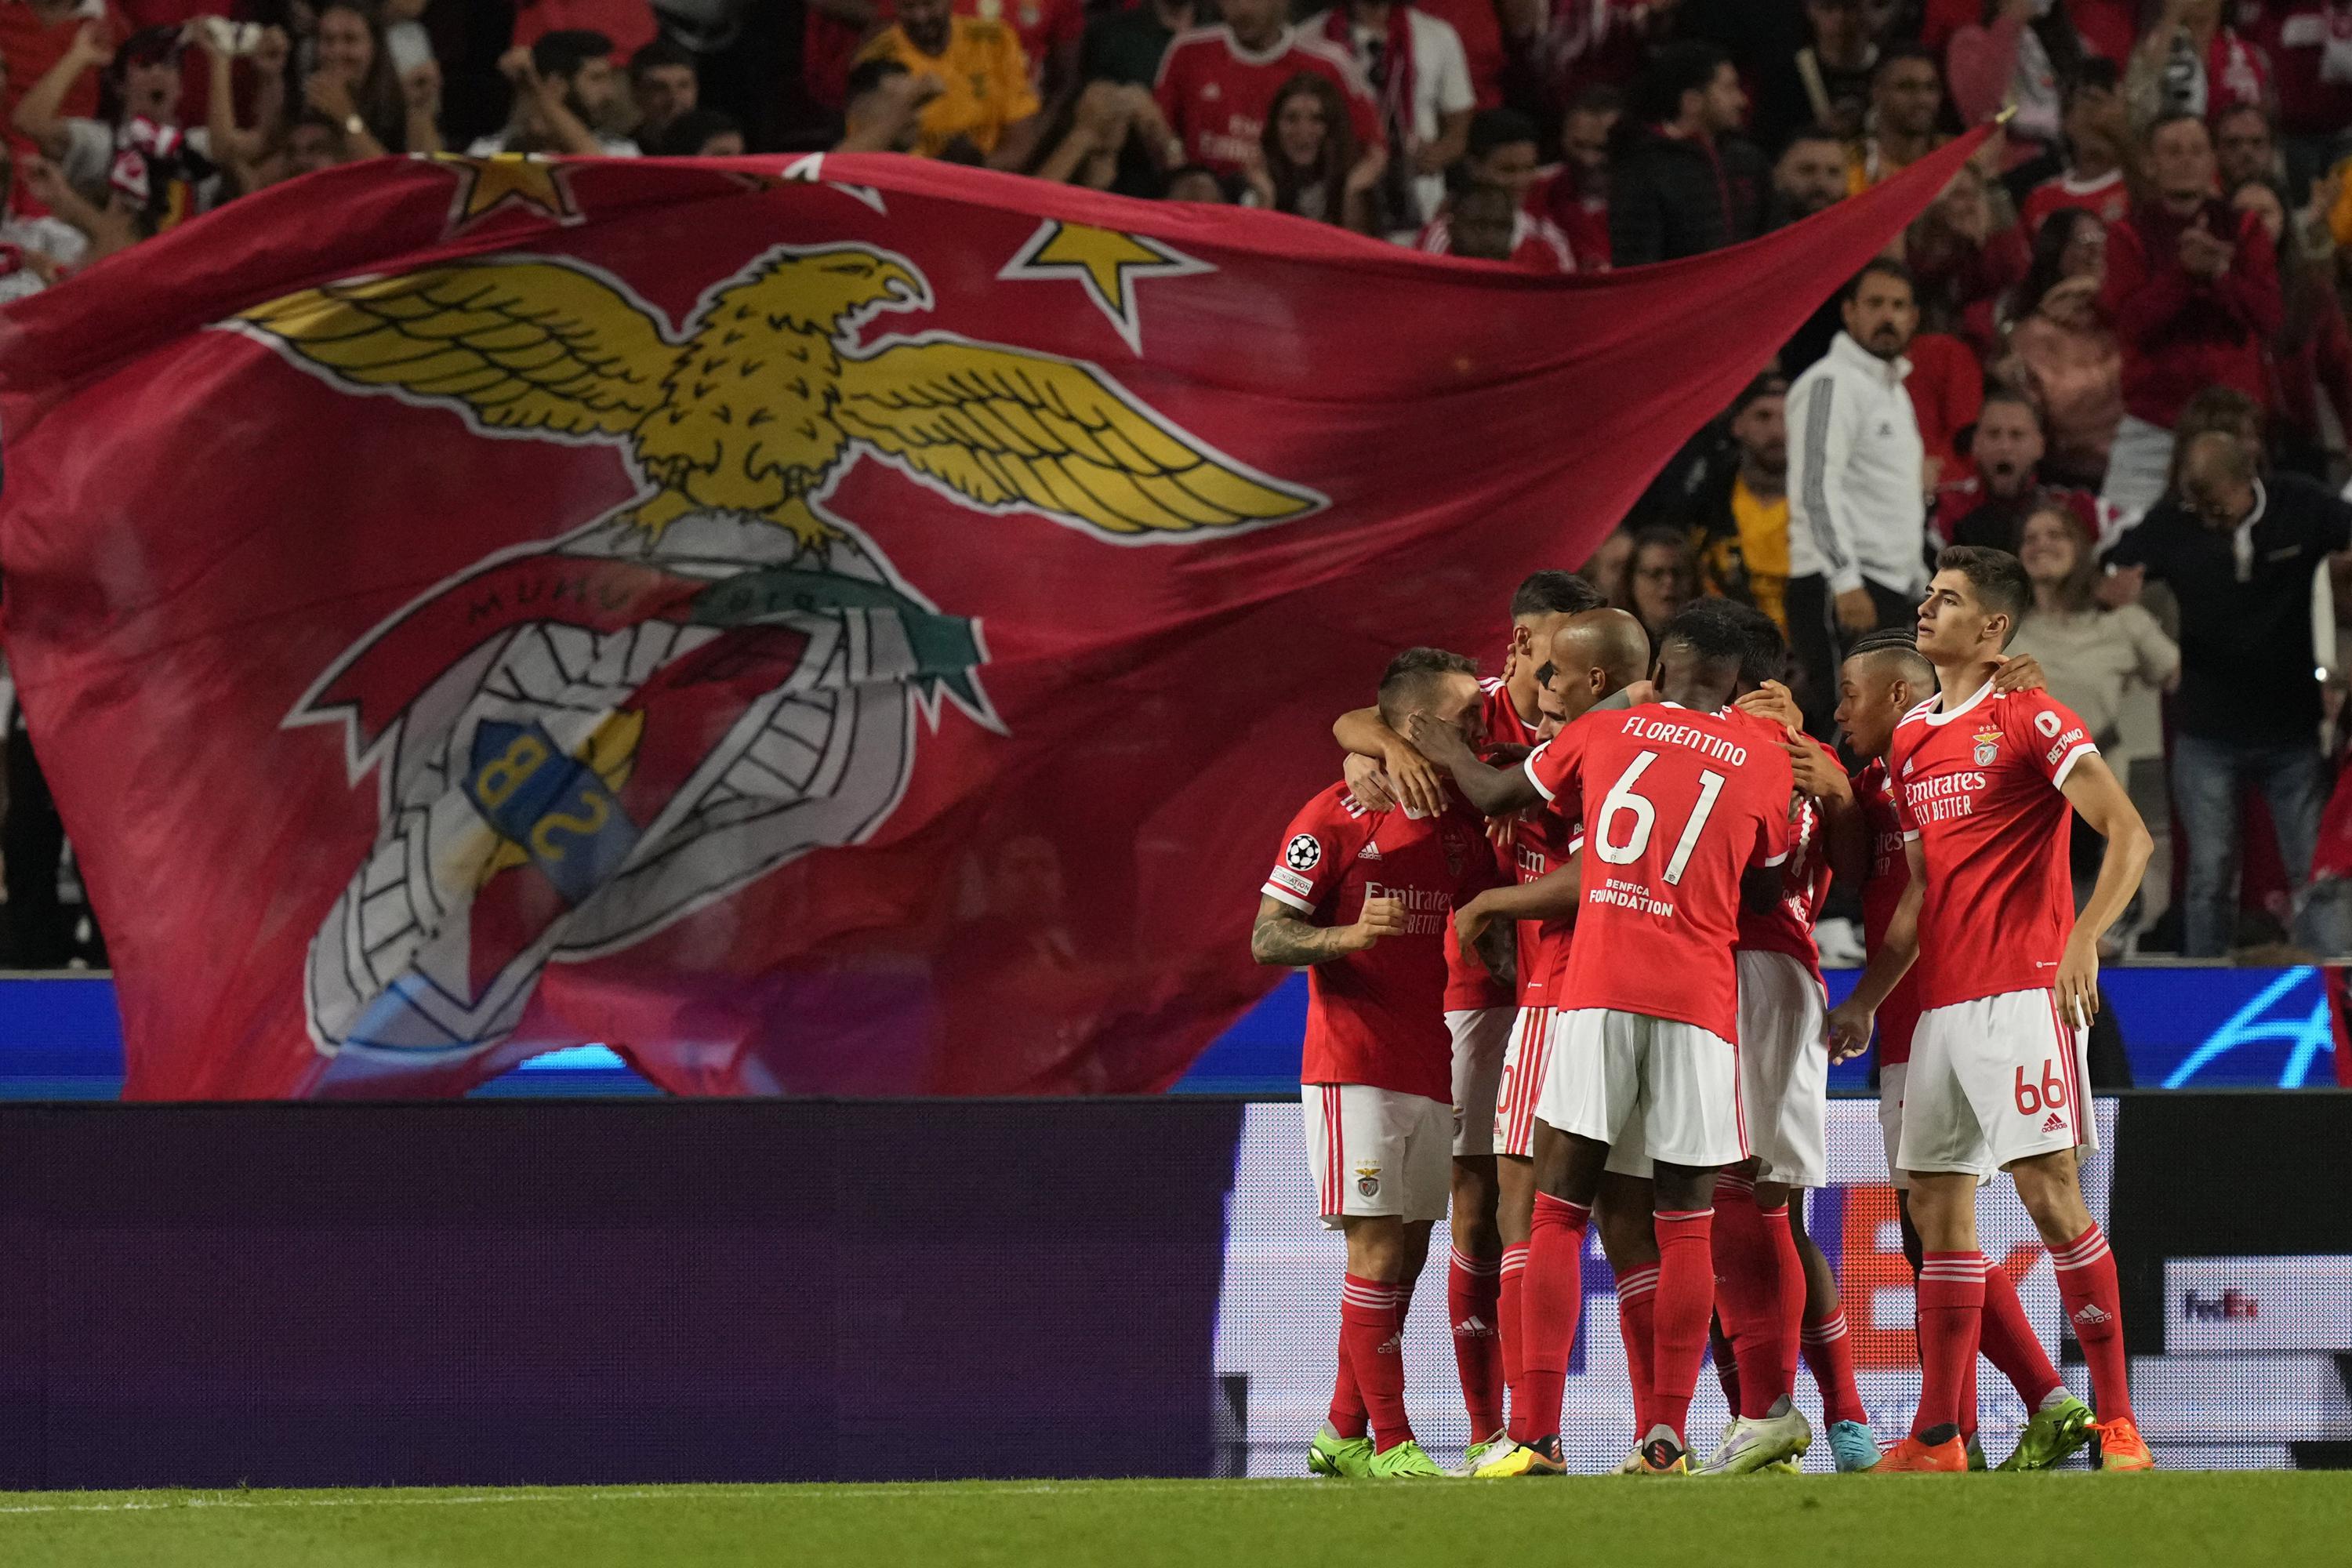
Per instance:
{"type": "Point", "coordinates": [1640, 843]}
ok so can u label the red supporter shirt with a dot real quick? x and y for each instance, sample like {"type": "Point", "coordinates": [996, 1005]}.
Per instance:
{"type": "Point", "coordinates": [1214, 94]}
{"type": "Point", "coordinates": [1537, 242]}
{"type": "Point", "coordinates": [1581, 216]}
{"type": "Point", "coordinates": [1376, 1017]}
{"type": "Point", "coordinates": [2107, 198]}
{"type": "Point", "coordinates": [1890, 873]}
{"type": "Point", "coordinates": [1468, 985]}
{"type": "Point", "coordinates": [1676, 805]}
{"type": "Point", "coordinates": [1787, 926]}
{"type": "Point", "coordinates": [1979, 788]}
{"type": "Point", "coordinates": [2180, 334]}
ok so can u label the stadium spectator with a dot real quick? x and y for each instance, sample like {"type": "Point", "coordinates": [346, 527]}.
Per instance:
{"type": "Point", "coordinates": [2310, 358]}
{"type": "Point", "coordinates": [1418, 73]}
{"type": "Point", "coordinates": [698, 133]}
{"type": "Point", "coordinates": [1809, 177]}
{"type": "Point", "coordinates": [666, 88]}
{"type": "Point", "coordinates": [1307, 161]}
{"type": "Point", "coordinates": [2062, 353]}
{"type": "Point", "coordinates": [1216, 88]}
{"type": "Point", "coordinates": [1989, 507]}
{"type": "Point", "coordinates": [1738, 506]}
{"type": "Point", "coordinates": [1825, 83]}
{"type": "Point", "coordinates": [982, 108]}
{"type": "Point", "coordinates": [2190, 61]}
{"type": "Point", "coordinates": [1945, 387]}
{"type": "Point", "coordinates": [1502, 151]}
{"type": "Point", "coordinates": [2022, 54]}
{"type": "Point", "coordinates": [1489, 222]}
{"type": "Point", "coordinates": [2244, 149]}
{"type": "Point", "coordinates": [1605, 568]}
{"type": "Point", "coordinates": [2092, 653]}
{"type": "Point", "coordinates": [882, 107]}
{"type": "Point", "coordinates": [142, 79]}
{"type": "Point", "coordinates": [2239, 549]}
{"type": "Point", "coordinates": [1682, 181]}
{"type": "Point", "coordinates": [1052, 33]}
{"type": "Point", "coordinates": [567, 98]}
{"type": "Point", "coordinates": [1963, 255]}
{"type": "Point", "coordinates": [2098, 141]}
{"type": "Point", "coordinates": [1106, 120]}
{"type": "Point", "coordinates": [352, 77]}
{"type": "Point", "coordinates": [35, 33]}
{"type": "Point", "coordinates": [2192, 288]}
{"type": "Point", "coordinates": [1857, 516]}
{"type": "Point", "coordinates": [2309, 45]}
{"type": "Point", "coordinates": [1125, 44]}
{"type": "Point", "coordinates": [1575, 197]}
{"type": "Point", "coordinates": [1191, 183]}
{"type": "Point", "coordinates": [1906, 93]}
{"type": "Point", "coordinates": [1479, 24]}
{"type": "Point", "coordinates": [35, 252]}
{"type": "Point", "coordinates": [312, 142]}
{"type": "Point", "coordinates": [1660, 579]}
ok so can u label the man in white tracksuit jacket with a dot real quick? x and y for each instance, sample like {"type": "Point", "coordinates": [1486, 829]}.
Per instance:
{"type": "Point", "coordinates": [1857, 486]}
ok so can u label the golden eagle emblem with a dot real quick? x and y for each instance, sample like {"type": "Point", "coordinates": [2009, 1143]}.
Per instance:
{"type": "Point", "coordinates": [765, 396]}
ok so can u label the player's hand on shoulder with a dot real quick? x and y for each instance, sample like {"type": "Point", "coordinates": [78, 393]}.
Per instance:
{"type": "Point", "coordinates": [1774, 701]}
{"type": "Point", "coordinates": [1816, 771]}
{"type": "Point", "coordinates": [1367, 786]}
{"type": "Point", "coordinates": [2016, 672]}
{"type": "Point", "coordinates": [1381, 917]}
{"type": "Point", "coordinates": [1848, 1030]}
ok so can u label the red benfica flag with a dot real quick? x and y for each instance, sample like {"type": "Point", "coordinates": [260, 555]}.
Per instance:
{"type": "Point", "coordinates": [838, 625]}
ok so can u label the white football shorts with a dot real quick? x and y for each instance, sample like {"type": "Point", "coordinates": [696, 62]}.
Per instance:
{"type": "Point", "coordinates": [1890, 1118]}
{"type": "Point", "coordinates": [1784, 1068]}
{"type": "Point", "coordinates": [1482, 1038]}
{"type": "Point", "coordinates": [1376, 1152]}
{"type": "Point", "coordinates": [1993, 1081]}
{"type": "Point", "coordinates": [1667, 1090]}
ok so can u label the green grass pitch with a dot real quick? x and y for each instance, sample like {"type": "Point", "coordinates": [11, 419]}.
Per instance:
{"type": "Point", "coordinates": [2011, 1521]}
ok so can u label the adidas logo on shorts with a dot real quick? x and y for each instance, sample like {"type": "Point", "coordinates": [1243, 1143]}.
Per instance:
{"type": "Point", "coordinates": [2056, 1123]}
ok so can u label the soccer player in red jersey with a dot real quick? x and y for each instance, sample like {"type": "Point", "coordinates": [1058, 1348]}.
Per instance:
{"type": "Point", "coordinates": [2008, 978]}
{"type": "Point", "coordinates": [1366, 899]}
{"type": "Point", "coordinates": [1685, 806]}
{"type": "Point", "coordinates": [1383, 770]}
{"type": "Point", "coordinates": [1882, 680]}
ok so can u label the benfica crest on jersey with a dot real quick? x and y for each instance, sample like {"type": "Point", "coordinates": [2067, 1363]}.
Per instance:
{"type": "Point", "coordinates": [1988, 744]}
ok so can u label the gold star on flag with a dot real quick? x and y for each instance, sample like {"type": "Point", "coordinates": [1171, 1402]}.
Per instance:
{"type": "Point", "coordinates": [487, 184]}
{"type": "Point", "coordinates": [1107, 262]}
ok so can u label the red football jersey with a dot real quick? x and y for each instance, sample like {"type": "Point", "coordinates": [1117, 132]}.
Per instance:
{"type": "Point", "coordinates": [2107, 198]}
{"type": "Point", "coordinates": [1890, 873]}
{"type": "Point", "coordinates": [1787, 926]}
{"type": "Point", "coordinates": [1541, 842]}
{"type": "Point", "coordinates": [1676, 805]}
{"type": "Point", "coordinates": [1214, 94]}
{"type": "Point", "coordinates": [1468, 985]}
{"type": "Point", "coordinates": [1376, 1017]}
{"type": "Point", "coordinates": [1978, 787]}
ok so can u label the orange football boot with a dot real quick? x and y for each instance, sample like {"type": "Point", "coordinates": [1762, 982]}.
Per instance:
{"type": "Point", "coordinates": [2121, 1447]}
{"type": "Point", "coordinates": [1950, 1456]}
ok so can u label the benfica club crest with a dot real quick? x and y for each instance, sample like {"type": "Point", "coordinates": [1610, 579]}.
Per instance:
{"type": "Point", "coordinates": [579, 741]}
{"type": "Point", "coordinates": [1987, 745]}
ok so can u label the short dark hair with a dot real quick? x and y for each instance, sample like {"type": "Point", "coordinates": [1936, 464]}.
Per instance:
{"type": "Point", "coordinates": [1997, 578]}
{"type": "Point", "coordinates": [684, 137]}
{"type": "Point", "coordinates": [563, 51]}
{"type": "Point", "coordinates": [1409, 674]}
{"type": "Point", "coordinates": [1545, 671]}
{"type": "Point", "coordinates": [1713, 629]}
{"type": "Point", "coordinates": [1766, 657]}
{"type": "Point", "coordinates": [1554, 593]}
{"type": "Point", "coordinates": [2171, 117]}
{"type": "Point", "coordinates": [1599, 98]}
{"type": "Point", "coordinates": [867, 76]}
{"type": "Point", "coordinates": [1493, 128]}
{"type": "Point", "coordinates": [658, 53]}
{"type": "Point", "coordinates": [1687, 65]}
{"type": "Point", "coordinates": [2006, 392]}
{"type": "Point", "coordinates": [1900, 645]}
{"type": "Point", "coordinates": [1896, 54]}
{"type": "Point", "coordinates": [1772, 383]}
{"type": "Point", "coordinates": [2232, 110]}
{"type": "Point", "coordinates": [2095, 73]}
{"type": "Point", "coordinates": [1878, 266]}
{"type": "Point", "coordinates": [1812, 131]}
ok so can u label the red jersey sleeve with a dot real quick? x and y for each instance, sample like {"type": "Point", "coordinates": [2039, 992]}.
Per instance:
{"type": "Point", "coordinates": [1318, 847]}
{"type": "Point", "coordinates": [1556, 768]}
{"type": "Point", "coordinates": [2048, 731]}
{"type": "Point", "coordinates": [1777, 781]}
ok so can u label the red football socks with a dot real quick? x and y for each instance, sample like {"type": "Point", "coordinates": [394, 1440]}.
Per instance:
{"type": "Point", "coordinates": [1951, 1307]}
{"type": "Point", "coordinates": [2009, 1342]}
{"type": "Point", "coordinates": [1473, 1289]}
{"type": "Point", "coordinates": [1347, 1414]}
{"type": "Point", "coordinates": [1685, 1300]}
{"type": "Point", "coordinates": [2086, 1284]}
{"type": "Point", "coordinates": [1552, 1299]}
{"type": "Point", "coordinates": [1511, 1322]}
{"type": "Point", "coordinates": [1746, 1252]}
{"type": "Point", "coordinates": [1789, 1270]}
{"type": "Point", "coordinates": [1372, 1332]}
{"type": "Point", "coordinates": [1637, 1315]}
{"type": "Point", "coordinates": [1830, 1353]}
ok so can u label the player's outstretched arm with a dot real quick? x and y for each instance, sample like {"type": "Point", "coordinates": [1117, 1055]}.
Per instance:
{"type": "Point", "coordinates": [2092, 789]}
{"type": "Point", "coordinates": [1414, 778]}
{"type": "Point", "coordinates": [1491, 791]}
{"type": "Point", "coordinates": [1850, 1021]}
{"type": "Point", "coordinates": [1550, 897]}
{"type": "Point", "coordinates": [1844, 836]}
{"type": "Point", "coordinates": [1282, 936]}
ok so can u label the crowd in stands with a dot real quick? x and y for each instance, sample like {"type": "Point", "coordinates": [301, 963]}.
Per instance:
{"type": "Point", "coordinates": [2116, 342]}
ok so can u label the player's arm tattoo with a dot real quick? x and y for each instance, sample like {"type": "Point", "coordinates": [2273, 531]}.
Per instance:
{"type": "Point", "coordinates": [1283, 936]}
